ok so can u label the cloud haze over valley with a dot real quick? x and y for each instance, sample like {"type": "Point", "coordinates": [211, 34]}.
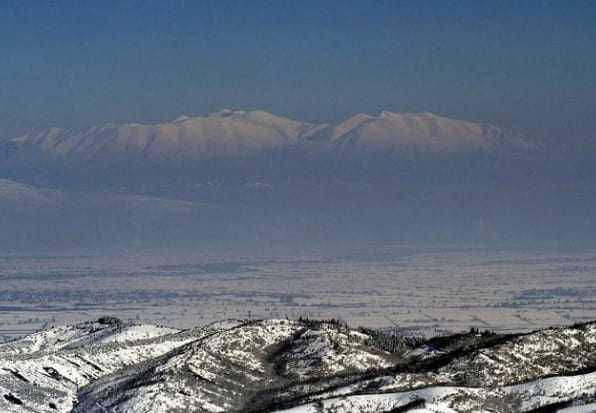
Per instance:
{"type": "Point", "coordinates": [238, 176]}
{"type": "Point", "coordinates": [438, 123]}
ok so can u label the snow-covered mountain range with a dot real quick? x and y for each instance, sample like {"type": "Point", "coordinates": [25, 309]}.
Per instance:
{"type": "Point", "coordinates": [240, 134]}
{"type": "Point", "coordinates": [407, 175]}
{"type": "Point", "coordinates": [295, 366]}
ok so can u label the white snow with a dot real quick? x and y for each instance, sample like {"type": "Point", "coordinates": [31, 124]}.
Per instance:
{"type": "Point", "coordinates": [217, 368]}
{"type": "Point", "coordinates": [237, 133]}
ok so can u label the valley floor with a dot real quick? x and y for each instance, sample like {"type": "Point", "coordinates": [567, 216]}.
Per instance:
{"type": "Point", "coordinates": [424, 292]}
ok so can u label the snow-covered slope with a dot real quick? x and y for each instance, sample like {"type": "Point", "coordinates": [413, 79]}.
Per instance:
{"type": "Point", "coordinates": [551, 394]}
{"type": "Point", "coordinates": [412, 133]}
{"type": "Point", "coordinates": [240, 134]}
{"type": "Point", "coordinates": [215, 374]}
{"type": "Point", "coordinates": [225, 134]}
{"type": "Point", "coordinates": [294, 366]}
{"type": "Point", "coordinates": [42, 372]}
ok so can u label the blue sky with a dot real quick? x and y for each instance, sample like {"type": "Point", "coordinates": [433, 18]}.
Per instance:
{"type": "Point", "coordinates": [527, 65]}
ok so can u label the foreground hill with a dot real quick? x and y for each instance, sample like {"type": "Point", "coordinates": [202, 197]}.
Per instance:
{"type": "Point", "coordinates": [294, 366]}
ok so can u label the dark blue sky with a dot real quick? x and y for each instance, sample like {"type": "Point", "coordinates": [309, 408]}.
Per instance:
{"type": "Point", "coordinates": [528, 65]}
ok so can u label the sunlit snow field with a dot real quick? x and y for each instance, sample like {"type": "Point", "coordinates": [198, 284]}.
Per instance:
{"type": "Point", "coordinates": [421, 292]}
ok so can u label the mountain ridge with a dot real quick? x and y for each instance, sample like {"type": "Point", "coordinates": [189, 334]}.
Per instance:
{"type": "Point", "coordinates": [299, 366]}
{"type": "Point", "coordinates": [230, 134]}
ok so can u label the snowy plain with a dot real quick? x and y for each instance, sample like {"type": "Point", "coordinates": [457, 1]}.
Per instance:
{"type": "Point", "coordinates": [425, 292]}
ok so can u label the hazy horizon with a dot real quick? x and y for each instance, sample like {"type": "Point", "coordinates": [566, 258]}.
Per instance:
{"type": "Point", "coordinates": [74, 64]}
{"type": "Point", "coordinates": [509, 158]}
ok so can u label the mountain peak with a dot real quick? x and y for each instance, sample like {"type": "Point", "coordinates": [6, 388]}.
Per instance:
{"type": "Point", "coordinates": [224, 113]}
{"type": "Point", "coordinates": [414, 133]}
{"type": "Point", "coordinates": [232, 133]}
{"type": "Point", "coordinates": [181, 118]}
